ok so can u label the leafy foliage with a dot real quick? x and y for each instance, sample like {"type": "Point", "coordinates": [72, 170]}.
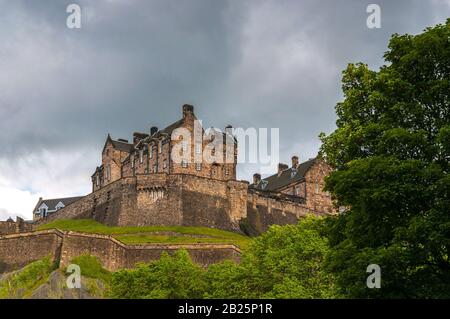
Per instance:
{"type": "Point", "coordinates": [167, 278]}
{"type": "Point", "coordinates": [285, 262]}
{"type": "Point", "coordinates": [391, 151]}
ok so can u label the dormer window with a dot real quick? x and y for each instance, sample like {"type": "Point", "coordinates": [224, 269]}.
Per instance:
{"type": "Point", "coordinates": [263, 184]}
{"type": "Point", "coordinates": [43, 211]}
{"type": "Point", "coordinates": [293, 173]}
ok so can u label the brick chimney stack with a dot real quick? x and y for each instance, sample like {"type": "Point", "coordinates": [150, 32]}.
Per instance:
{"type": "Point", "coordinates": [294, 161]}
{"type": "Point", "coordinates": [187, 110]}
{"type": "Point", "coordinates": [281, 168]}
{"type": "Point", "coordinates": [256, 178]}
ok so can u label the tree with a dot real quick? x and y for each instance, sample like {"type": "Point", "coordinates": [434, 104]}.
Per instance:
{"type": "Point", "coordinates": [287, 262]}
{"type": "Point", "coordinates": [170, 277]}
{"type": "Point", "coordinates": [391, 151]}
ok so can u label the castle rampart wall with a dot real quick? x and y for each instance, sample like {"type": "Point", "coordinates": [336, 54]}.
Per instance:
{"type": "Point", "coordinates": [269, 208]}
{"type": "Point", "coordinates": [113, 254]}
{"type": "Point", "coordinates": [162, 199]}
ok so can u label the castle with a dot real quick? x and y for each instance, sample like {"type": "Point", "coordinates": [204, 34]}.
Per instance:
{"type": "Point", "coordinates": [142, 184]}
{"type": "Point", "coordinates": [158, 179]}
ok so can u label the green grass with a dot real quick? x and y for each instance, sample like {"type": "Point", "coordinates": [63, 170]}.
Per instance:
{"type": "Point", "coordinates": [150, 234]}
{"type": "Point", "coordinates": [91, 267]}
{"type": "Point", "coordinates": [23, 283]}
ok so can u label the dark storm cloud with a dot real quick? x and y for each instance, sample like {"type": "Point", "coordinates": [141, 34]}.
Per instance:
{"type": "Point", "coordinates": [134, 63]}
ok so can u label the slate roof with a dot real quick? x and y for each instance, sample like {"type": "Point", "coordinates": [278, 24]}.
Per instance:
{"type": "Point", "coordinates": [122, 146]}
{"type": "Point", "coordinates": [51, 203]}
{"type": "Point", "coordinates": [288, 176]}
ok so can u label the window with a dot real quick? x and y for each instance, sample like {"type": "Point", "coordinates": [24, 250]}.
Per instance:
{"type": "Point", "coordinates": [160, 147]}
{"type": "Point", "coordinates": [107, 152]}
{"type": "Point", "coordinates": [297, 190]}
{"type": "Point", "coordinates": [198, 166]}
{"type": "Point", "coordinates": [150, 151]}
{"type": "Point", "coordinates": [108, 172]}
{"type": "Point", "coordinates": [198, 148]}
{"type": "Point", "coordinates": [141, 156]}
{"type": "Point", "coordinates": [184, 146]}
{"type": "Point", "coordinates": [226, 171]}
{"type": "Point", "coordinates": [132, 161]}
{"type": "Point", "coordinates": [155, 168]}
{"type": "Point", "coordinates": [293, 173]}
{"type": "Point", "coordinates": [316, 189]}
{"type": "Point", "coordinates": [43, 212]}
{"type": "Point", "coordinates": [165, 164]}
{"type": "Point", "coordinates": [97, 180]}
{"type": "Point", "coordinates": [184, 163]}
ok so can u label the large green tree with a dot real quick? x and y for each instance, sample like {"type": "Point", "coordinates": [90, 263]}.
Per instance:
{"type": "Point", "coordinates": [391, 151]}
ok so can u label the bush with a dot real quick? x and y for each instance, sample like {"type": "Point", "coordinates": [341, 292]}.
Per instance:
{"type": "Point", "coordinates": [170, 277]}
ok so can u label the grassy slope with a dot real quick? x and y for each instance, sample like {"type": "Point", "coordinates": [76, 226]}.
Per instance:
{"type": "Point", "coordinates": [149, 234]}
{"type": "Point", "coordinates": [23, 282]}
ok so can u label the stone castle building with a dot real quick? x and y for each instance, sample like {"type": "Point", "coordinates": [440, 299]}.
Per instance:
{"type": "Point", "coordinates": [141, 183]}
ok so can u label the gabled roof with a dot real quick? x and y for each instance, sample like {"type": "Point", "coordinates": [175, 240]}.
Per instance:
{"type": "Point", "coordinates": [288, 176]}
{"type": "Point", "coordinates": [52, 203]}
{"type": "Point", "coordinates": [118, 145]}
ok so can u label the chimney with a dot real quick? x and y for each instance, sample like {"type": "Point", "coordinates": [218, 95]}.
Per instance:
{"type": "Point", "coordinates": [153, 130]}
{"type": "Point", "coordinates": [123, 140]}
{"type": "Point", "coordinates": [281, 168]}
{"type": "Point", "coordinates": [256, 178]}
{"type": "Point", "coordinates": [294, 161]}
{"type": "Point", "coordinates": [187, 109]}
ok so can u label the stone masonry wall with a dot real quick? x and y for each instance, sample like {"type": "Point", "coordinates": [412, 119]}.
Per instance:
{"type": "Point", "coordinates": [14, 227]}
{"type": "Point", "coordinates": [113, 254]}
{"type": "Point", "coordinates": [162, 199]}
{"type": "Point", "coordinates": [18, 250]}
{"type": "Point", "coordinates": [265, 209]}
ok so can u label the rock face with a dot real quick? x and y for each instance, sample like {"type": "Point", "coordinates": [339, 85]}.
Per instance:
{"type": "Point", "coordinates": [55, 288]}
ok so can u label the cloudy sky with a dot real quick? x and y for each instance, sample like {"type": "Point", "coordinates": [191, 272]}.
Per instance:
{"type": "Point", "coordinates": [252, 63]}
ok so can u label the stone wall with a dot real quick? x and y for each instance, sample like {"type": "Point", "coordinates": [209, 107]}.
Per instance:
{"type": "Point", "coordinates": [269, 208]}
{"type": "Point", "coordinates": [14, 227]}
{"type": "Point", "coordinates": [162, 199]}
{"type": "Point", "coordinates": [18, 250]}
{"type": "Point", "coordinates": [113, 254]}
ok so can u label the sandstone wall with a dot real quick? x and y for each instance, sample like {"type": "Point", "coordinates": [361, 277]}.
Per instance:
{"type": "Point", "coordinates": [113, 254]}
{"type": "Point", "coordinates": [11, 227]}
{"type": "Point", "coordinates": [162, 199]}
{"type": "Point", "coordinates": [18, 250]}
{"type": "Point", "coordinates": [267, 208]}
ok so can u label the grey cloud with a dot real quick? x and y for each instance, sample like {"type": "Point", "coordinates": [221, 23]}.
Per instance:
{"type": "Point", "coordinates": [134, 63]}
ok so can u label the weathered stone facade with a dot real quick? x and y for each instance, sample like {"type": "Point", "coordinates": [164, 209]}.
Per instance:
{"type": "Point", "coordinates": [163, 199]}
{"type": "Point", "coordinates": [141, 184]}
{"type": "Point", "coordinates": [11, 227]}
{"type": "Point", "coordinates": [62, 247]}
